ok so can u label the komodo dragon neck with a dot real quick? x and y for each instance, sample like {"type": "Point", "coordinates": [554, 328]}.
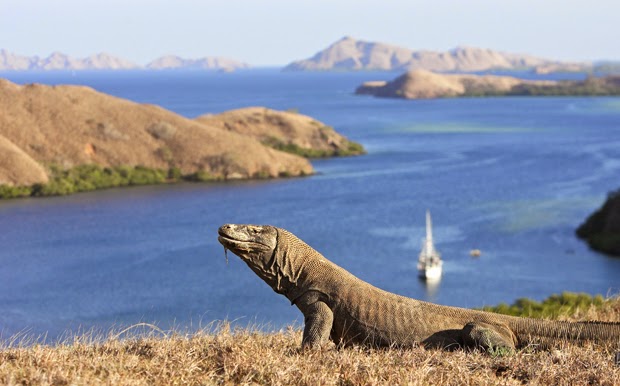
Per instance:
{"type": "Point", "coordinates": [342, 308]}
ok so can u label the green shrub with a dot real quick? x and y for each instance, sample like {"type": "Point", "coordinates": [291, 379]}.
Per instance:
{"type": "Point", "coordinates": [175, 174]}
{"type": "Point", "coordinates": [7, 191]}
{"type": "Point", "coordinates": [145, 176]}
{"type": "Point", "coordinates": [200, 176]}
{"type": "Point", "coordinates": [353, 148]}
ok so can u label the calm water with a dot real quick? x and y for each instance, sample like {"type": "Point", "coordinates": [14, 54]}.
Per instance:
{"type": "Point", "coordinates": [511, 176]}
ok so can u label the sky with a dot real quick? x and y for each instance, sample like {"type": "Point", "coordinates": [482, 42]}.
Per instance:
{"type": "Point", "coordinates": [276, 32]}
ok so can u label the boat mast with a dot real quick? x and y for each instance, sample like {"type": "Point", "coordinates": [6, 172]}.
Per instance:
{"type": "Point", "coordinates": [429, 234]}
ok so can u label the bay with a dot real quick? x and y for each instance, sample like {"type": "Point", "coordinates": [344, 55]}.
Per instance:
{"type": "Point", "coordinates": [512, 177]}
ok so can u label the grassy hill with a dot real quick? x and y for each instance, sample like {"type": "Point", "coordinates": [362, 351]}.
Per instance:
{"type": "Point", "coordinates": [246, 356]}
{"type": "Point", "coordinates": [48, 131]}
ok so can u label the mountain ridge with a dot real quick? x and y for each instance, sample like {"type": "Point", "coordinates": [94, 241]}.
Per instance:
{"type": "Point", "coordinates": [57, 61]}
{"type": "Point", "coordinates": [350, 54]}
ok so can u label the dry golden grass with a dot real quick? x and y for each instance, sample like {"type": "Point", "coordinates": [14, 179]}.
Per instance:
{"type": "Point", "coordinates": [247, 356]}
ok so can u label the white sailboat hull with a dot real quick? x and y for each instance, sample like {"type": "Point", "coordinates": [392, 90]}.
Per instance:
{"type": "Point", "coordinates": [430, 273]}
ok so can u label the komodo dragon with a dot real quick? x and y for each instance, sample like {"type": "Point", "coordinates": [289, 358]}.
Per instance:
{"type": "Point", "coordinates": [338, 305]}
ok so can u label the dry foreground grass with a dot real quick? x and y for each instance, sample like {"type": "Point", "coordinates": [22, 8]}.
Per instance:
{"type": "Point", "coordinates": [247, 356]}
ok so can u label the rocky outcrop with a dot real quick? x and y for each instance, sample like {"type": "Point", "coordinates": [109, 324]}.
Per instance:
{"type": "Point", "coordinates": [69, 126]}
{"type": "Point", "coordinates": [602, 229]}
{"type": "Point", "coordinates": [284, 130]}
{"type": "Point", "coordinates": [419, 84]}
{"type": "Point", "coordinates": [349, 54]}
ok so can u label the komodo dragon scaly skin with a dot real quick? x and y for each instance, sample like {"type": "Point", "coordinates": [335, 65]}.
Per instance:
{"type": "Point", "coordinates": [337, 305]}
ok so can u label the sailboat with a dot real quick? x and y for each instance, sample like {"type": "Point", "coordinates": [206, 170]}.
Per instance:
{"type": "Point", "coordinates": [429, 261]}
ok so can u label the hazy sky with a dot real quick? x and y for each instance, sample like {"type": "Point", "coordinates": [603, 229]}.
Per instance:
{"type": "Point", "coordinates": [276, 32]}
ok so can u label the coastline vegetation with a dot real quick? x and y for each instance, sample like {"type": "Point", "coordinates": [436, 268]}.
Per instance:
{"type": "Point", "coordinates": [85, 178]}
{"type": "Point", "coordinates": [591, 86]}
{"type": "Point", "coordinates": [90, 177]}
{"type": "Point", "coordinates": [225, 355]}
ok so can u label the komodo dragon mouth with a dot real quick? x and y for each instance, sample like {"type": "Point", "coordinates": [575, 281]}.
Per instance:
{"type": "Point", "coordinates": [234, 242]}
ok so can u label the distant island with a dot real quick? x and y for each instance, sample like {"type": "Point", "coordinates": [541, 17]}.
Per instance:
{"type": "Point", "coordinates": [420, 84]}
{"type": "Point", "coordinates": [346, 54]}
{"type": "Point", "coordinates": [349, 54]}
{"type": "Point", "coordinates": [63, 139]}
{"type": "Point", "coordinates": [602, 228]}
{"type": "Point", "coordinates": [58, 61]}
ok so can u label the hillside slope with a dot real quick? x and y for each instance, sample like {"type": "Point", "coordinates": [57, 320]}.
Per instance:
{"type": "Point", "coordinates": [75, 125]}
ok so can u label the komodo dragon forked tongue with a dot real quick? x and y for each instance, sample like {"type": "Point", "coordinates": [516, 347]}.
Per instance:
{"type": "Point", "coordinates": [342, 309]}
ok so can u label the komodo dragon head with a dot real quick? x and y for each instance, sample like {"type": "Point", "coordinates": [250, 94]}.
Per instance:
{"type": "Point", "coordinates": [270, 252]}
{"type": "Point", "coordinates": [254, 244]}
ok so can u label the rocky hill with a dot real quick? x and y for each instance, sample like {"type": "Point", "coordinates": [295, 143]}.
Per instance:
{"type": "Point", "coordinates": [59, 61]}
{"type": "Point", "coordinates": [68, 126]}
{"type": "Point", "coordinates": [420, 84]}
{"type": "Point", "coordinates": [602, 229]}
{"type": "Point", "coordinates": [349, 54]}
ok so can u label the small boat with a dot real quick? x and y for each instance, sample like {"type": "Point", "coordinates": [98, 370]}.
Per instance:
{"type": "Point", "coordinates": [429, 261]}
{"type": "Point", "coordinates": [475, 253]}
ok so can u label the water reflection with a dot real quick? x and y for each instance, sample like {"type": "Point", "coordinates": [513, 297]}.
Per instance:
{"type": "Point", "coordinates": [431, 288]}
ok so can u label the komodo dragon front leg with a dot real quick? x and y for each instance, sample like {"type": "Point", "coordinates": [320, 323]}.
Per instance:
{"type": "Point", "coordinates": [318, 321]}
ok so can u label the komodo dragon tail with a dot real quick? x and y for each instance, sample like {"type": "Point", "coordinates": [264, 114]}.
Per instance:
{"type": "Point", "coordinates": [545, 332]}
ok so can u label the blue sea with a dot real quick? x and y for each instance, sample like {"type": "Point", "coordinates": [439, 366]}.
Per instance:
{"type": "Point", "coordinates": [510, 176]}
